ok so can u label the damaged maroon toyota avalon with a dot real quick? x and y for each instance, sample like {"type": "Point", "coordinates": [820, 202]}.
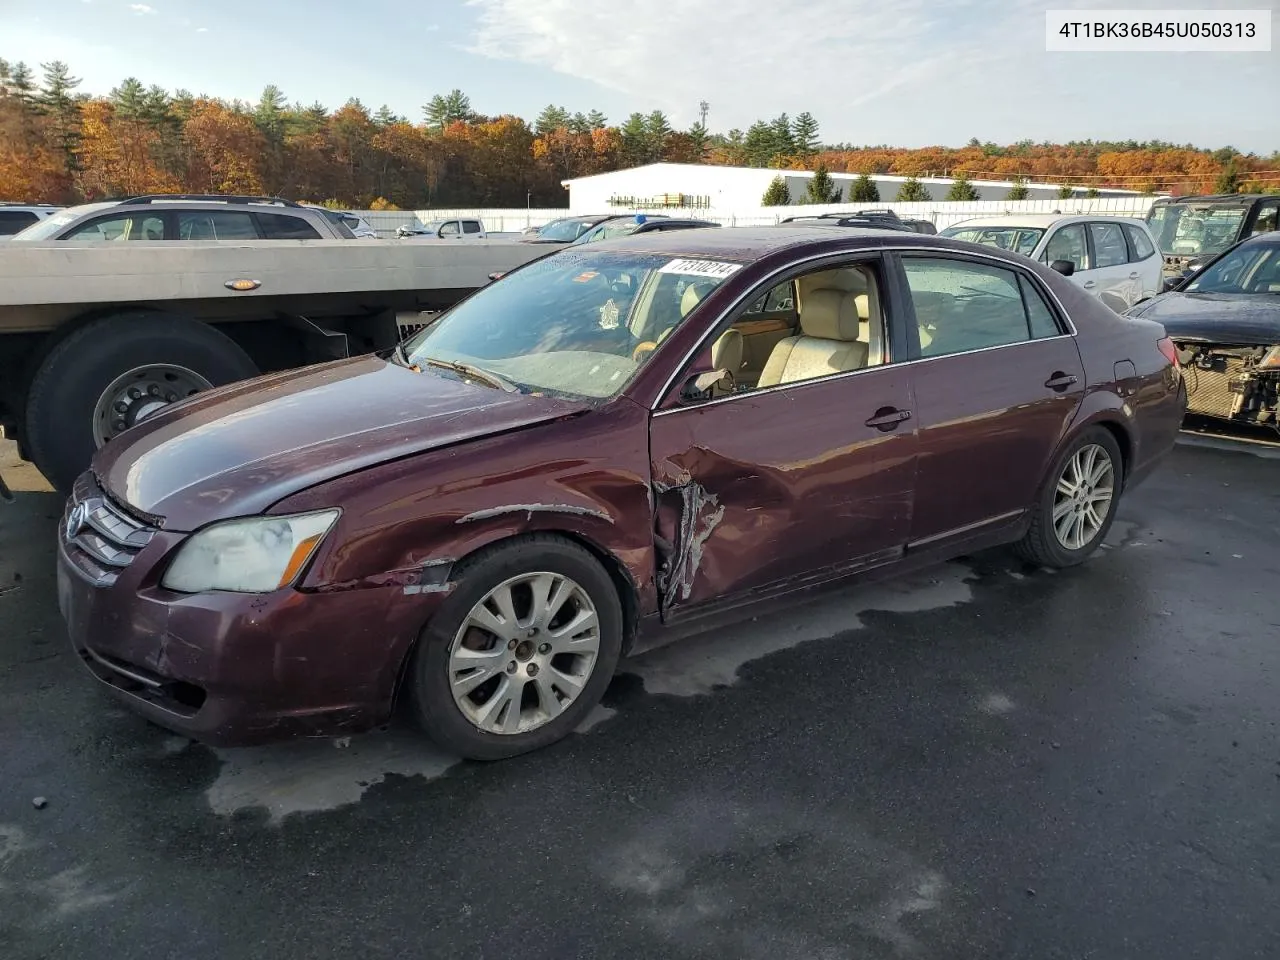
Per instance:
{"type": "Point", "coordinates": [606, 440]}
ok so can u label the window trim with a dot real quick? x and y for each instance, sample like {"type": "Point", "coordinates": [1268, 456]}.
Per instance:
{"type": "Point", "coordinates": [813, 262]}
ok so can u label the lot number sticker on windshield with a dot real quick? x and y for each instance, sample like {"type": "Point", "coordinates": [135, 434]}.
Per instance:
{"type": "Point", "coordinates": [701, 268]}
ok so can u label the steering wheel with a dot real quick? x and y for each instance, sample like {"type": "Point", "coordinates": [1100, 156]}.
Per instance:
{"type": "Point", "coordinates": [648, 346]}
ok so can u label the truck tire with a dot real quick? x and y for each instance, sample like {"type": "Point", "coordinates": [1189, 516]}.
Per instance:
{"type": "Point", "coordinates": [172, 357]}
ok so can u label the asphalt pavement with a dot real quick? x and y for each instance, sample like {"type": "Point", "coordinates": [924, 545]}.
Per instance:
{"type": "Point", "coordinates": [978, 761]}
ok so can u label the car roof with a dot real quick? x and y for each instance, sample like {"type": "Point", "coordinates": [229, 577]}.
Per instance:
{"type": "Point", "coordinates": [754, 243]}
{"type": "Point", "coordinates": [1224, 198]}
{"type": "Point", "coordinates": [1042, 220]}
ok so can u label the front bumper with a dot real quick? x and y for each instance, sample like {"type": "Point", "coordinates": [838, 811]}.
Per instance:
{"type": "Point", "coordinates": [235, 669]}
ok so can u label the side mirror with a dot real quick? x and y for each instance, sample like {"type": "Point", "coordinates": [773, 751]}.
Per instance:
{"type": "Point", "coordinates": [1171, 283]}
{"type": "Point", "coordinates": [1194, 266]}
{"type": "Point", "coordinates": [1064, 267]}
{"type": "Point", "coordinates": [699, 385]}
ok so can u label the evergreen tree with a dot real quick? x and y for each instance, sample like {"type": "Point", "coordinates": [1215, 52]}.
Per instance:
{"type": "Point", "coordinates": [579, 124]}
{"type": "Point", "coordinates": [804, 134]}
{"type": "Point", "coordinates": [441, 111]}
{"type": "Point", "coordinates": [864, 190]}
{"type": "Point", "coordinates": [635, 140]}
{"type": "Point", "coordinates": [777, 195]}
{"type": "Point", "coordinates": [700, 140]}
{"type": "Point", "coordinates": [597, 120]}
{"type": "Point", "coordinates": [1066, 192]}
{"type": "Point", "coordinates": [961, 189]}
{"type": "Point", "coordinates": [58, 100]}
{"type": "Point", "coordinates": [912, 191]}
{"type": "Point", "coordinates": [551, 118]}
{"type": "Point", "coordinates": [1019, 190]}
{"type": "Point", "coordinates": [822, 189]}
{"type": "Point", "coordinates": [129, 99]}
{"type": "Point", "coordinates": [758, 144]}
{"type": "Point", "coordinates": [657, 130]}
{"type": "Point", "coordinates": [783, 143]}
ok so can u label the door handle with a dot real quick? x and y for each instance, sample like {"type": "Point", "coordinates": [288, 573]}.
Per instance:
{"type": "Point", "coordinates": [1060, 381]}
{"type": "Point", "coordinates": [888, 418]}
{"type": "Point", "coordinates": [1089, 284]}
{"type": "Point", "coordinates": [1134, 275]}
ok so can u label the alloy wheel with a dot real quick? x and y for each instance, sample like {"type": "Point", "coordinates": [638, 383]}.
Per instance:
{"type": "Point", "coordinates": [524, 653]}
{"type": "Point", "coordinates": [1085, 490]}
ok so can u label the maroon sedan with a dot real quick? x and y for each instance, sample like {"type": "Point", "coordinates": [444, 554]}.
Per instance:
{"type": "Point", "coordinates": [605, 441]}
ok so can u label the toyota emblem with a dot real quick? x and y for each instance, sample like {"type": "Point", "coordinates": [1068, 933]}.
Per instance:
{"type": "Point", "coordinates": [76, 521]}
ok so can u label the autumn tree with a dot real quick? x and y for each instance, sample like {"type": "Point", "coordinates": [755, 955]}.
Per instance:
{"type": "Point", "coordinates": [863, 190]}
{"type": "Point", "coordinates": [822, 189]}
{"type": "Point", "coordinates": [225, 150]}
{"type": "Point", "coordinates": [1019, 190]}
{"type": "Point", "coordinates": [912, 191]}
{"type": "Point", "coordinates": [777, 194]}
{"type": "Point", "coordinates": [1228, 181]}
{"type": "Point", "coordinates": [961, 189]}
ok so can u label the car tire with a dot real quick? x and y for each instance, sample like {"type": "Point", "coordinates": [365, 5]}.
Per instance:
{"type": "Point", "coordinates": [433, 667]}
{"type": "Point", "coordinates": [1044, 543]}
{"type": "Point", "coordinates": [74, 375]}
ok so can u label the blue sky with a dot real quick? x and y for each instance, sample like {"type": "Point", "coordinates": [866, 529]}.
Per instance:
{"type": "Point", "coordinates": [898, 72]}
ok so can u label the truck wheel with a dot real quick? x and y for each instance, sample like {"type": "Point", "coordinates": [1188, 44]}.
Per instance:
{"type": "Point", "coordinates": [111, 374]}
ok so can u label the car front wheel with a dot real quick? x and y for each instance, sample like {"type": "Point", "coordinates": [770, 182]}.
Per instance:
{"type": "Point", "coordinates": [1077, 502]}
{"type": "Point", "coordinates": [520, 652]}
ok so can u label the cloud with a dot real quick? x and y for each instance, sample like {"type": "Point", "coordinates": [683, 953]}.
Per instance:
{"type": "Point", "coordinates": [907, 72]}
{"type": "Point", "coordinates": [202, 29]}
{"type": "Point", "coordinates": [141, 8]}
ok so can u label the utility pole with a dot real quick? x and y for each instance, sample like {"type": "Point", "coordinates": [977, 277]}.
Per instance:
{"type": "Point", "coordinates": [703, 109]}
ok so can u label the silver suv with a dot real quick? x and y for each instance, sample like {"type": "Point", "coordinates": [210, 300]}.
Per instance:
{"type": "Point", "coordinates": [16, 217]}
{"type": "Point", "coordinates": [188, 217]}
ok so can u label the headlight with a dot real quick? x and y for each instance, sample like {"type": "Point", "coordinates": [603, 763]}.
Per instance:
{"type": "Point", "coordinates": [255, 555]}
{"type": "Point", "coordinates": [1271, 361]}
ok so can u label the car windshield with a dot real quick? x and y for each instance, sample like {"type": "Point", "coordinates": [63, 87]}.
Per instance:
{"type": "Point", "coordinates": [577, 324]}
{"type": "Point", "coordinates": [50, 227]}
{"type": "Point", "coordinates": [564, 230]}
{"type": "Point", "coordinates": [1249, 269]}
{"type": "Point", "coordinates": [1018, 239]}
{"type": "Point", "coordinates": [1186, 229]}
{"type": "Point", "coordinates": [608, 230]}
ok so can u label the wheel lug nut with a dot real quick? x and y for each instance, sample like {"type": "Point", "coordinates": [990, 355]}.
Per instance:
{"type": "Point", "coordinates": [119, 425]}
{"type": "Point", "coordinates": [121, 407]}
{"type": "Point", "coordinates": [533, 632]}
{"type": "Point", "coordinates": [171, 397]}
{"type": "Point", "coordinates": [511, 645]}
{"type": "Point", "coordinates": [153, 390]}
{"type": "Point", "coordinates": [533, 669]}
{"type": "Point", "coordinates": [511, 667]}
{"type": "Point", "coordinates": [544, 648]}
{"type": "Point", "coordinates": [135, 393]}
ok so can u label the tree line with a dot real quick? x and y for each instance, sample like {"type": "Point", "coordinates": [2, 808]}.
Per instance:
{"type": "Point", "coordinates": [61, 145]}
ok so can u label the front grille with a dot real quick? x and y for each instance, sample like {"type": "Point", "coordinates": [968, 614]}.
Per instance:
{"type": "Point", "coordinates": [1209, 391]}
{"type": "Point", "coordinates": [101, 538]}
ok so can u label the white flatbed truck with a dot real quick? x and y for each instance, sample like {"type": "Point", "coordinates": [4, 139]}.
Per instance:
{"type": "Point", "coordinates": [95, 337]}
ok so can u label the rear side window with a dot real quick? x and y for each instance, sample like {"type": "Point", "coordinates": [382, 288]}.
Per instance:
{"type": "Point", "coordinates": [962, 306]}
{"type": "Point", "coordinates": [470, 226]}
{"type": "Point", "coordinates": [11, 221]}
{"type": "Point", "coordinates": [1140, 242]}
{"type": "Point", "coordinates": [1109, 249]}
{"type": "Point", "coordinates": [281, 226]}
{"type": "Point", "coordinates": [216, 225]}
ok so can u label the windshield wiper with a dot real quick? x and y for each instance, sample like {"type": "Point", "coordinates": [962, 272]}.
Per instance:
{"type": "Point", "coordinates": [475, 373]}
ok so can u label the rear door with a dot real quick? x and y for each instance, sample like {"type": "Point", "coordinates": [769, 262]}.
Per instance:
{"type": "Point", "coordinates": [998, 380]}
{"type": "Point", "coordinates": [1145, 260]}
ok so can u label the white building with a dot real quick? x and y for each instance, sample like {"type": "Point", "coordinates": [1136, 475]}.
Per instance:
{"type": "Point", "coordinates": [687, 185]}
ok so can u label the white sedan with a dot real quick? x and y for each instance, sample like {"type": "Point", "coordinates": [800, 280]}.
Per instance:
{"type": "Point", "coordinates": [1114, 258]}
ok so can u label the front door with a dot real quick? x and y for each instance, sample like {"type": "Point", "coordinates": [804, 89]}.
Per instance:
{"type": "Point", "coordinates": [1119, 283]}
{"type": "Point", "coordinates": [998, 381]}
{"type": "Point", "coordinates": [801, 476]}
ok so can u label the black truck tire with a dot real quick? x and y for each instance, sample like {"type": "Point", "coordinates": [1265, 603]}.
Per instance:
{"type": "Point", "coordinates": [76, 372]}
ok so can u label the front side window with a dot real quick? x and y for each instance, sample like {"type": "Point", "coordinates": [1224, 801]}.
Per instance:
{"type": "Point", "coordinates": [1109, 249]}
{"type": "Point", "coordinates": [216, 225]}
{"type": "Point", "coordinates": [1068, 243]}
{"type": "Point", "coordinates": [449, 229]}
{"type": "Point", "coordinates": [962, 306]}
{"type": "Point", "coordinates": [134, 226]}
{"type": "Point", "coordinates": [576, 324]}
{"type": "Point", "coordinates": [1021, 240]}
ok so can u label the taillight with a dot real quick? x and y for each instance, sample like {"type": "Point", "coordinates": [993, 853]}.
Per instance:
{"type": "Point", "coordinates": [1167, 348]}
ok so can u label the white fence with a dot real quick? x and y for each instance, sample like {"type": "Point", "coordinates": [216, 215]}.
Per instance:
{"type": "Point", "coordinates": [941, 214]}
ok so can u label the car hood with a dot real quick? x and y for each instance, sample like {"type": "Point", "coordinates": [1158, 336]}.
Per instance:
{"type": "Point", "coordinates": [1216, 317]}
{"type": "Point", "coordinates": [237, 450]}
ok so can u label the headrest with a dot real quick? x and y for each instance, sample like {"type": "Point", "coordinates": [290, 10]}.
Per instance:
{"type": "Point", "coordinates": [829, 315]}
{"type": "Point", "coordinates": [692, 296]}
